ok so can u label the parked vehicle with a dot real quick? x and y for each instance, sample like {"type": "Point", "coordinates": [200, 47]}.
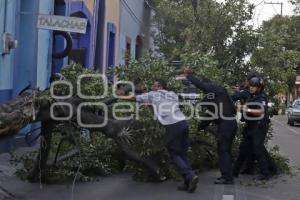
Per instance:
{"type": "Point", "coordinates": [293, 113]}
{"type": "Point", "coordinates": [272, 108]}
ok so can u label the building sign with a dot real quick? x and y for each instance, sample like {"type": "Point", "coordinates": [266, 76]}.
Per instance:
{"type": "Point", "coordinates": [61, 23]}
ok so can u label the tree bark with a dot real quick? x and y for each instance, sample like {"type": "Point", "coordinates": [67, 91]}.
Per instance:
{"type": "Point", "coordinates": [45, 145]}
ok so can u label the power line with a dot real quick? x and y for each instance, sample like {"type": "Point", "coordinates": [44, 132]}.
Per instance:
{"type": "Point", "coordinates": [258, 13]}
{"type": "Point", "coordinates": [275, 9]}
{"type": "Point", "coordinates": [131, 12]}
{"type": "Point", "coordinates": [273, 3]}
{"type": "Point", "coordinates": [259, 3]}
{"type": "Point", "coordinates": [135, 18]}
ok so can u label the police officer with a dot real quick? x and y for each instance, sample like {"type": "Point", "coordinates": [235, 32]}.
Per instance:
{"type": "Point", "coordinates": [242, 95]}
{"type": "Point", "coordinates": [226, 122]}
{"type": "Point", "coordinates": [257, 120]}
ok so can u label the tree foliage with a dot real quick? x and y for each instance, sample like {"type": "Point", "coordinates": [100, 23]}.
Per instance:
{"type": "Point", "coordinates": [296, 3]}
{"type": "Point", "coordinates": [207, 27]}
{"type": "Point", "coordinates": [278, 53]}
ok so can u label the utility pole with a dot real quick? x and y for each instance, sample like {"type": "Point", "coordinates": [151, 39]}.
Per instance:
{"type": "Point", "coordinates": [281, 5]}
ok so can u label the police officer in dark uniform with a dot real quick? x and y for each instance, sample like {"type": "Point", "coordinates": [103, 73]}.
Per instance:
{"type": "Point", "coordinates": [257, 120]}
{"type": "Point", "coordinates": [226, 122]}
{"type": "Point", "coordinates": [242, 95]}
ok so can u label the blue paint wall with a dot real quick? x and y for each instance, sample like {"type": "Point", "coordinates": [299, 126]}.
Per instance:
{"type": "Point", "coordinates": [30, 62]}
{"type": "Point", "coordinates": [111, 37]}
{"type": "Point", "coordinates": [5, 95]}
{"type": "Point", "coordinates": [32, 59]}
{"type": "Point", "coordinates": [25, 68]}
{"type": "Point", "coordinates": [44, 49]}
{"type": "Point", "coordinates": [7, 24]}
{"type": "Point", "coordinates": [86, 40]}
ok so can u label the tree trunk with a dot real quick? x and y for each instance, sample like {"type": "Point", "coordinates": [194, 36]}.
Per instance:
{"type": "Point", "coordinates": [45, 145]}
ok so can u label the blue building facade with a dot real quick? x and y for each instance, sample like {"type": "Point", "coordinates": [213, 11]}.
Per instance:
{"type": "Point", "coordinates": [84, 45]}
{"type": "Point", "coordinates": [114, 28]}
{"type": "Point", "coordinates": [28, 63]}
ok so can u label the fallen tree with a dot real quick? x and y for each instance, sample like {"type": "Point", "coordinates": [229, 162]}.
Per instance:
{"type": "Point", "coordinates": [64, 150]}
{"type": "Point", "coordinates": [34, 106]}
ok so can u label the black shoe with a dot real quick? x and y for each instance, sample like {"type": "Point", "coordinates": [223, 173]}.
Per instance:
{"type": "Point", "coordinates": [183, 187]}
{"type": "Point", "coordinates": [248, 172]}
{"type": "Point", "coordinates": [235, 174]}
{"type": "Point", "coordinates": [193, 184]}
{"type": "Point", "coordinates": [274, 172]}
{"type": "Point", "coordinates": [224, 181]}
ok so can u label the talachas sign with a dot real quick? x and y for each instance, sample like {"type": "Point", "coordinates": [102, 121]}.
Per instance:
{"type": "Point", "coordinates": [61, 23]}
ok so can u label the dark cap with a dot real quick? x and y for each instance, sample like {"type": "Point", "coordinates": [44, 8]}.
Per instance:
{"type": "Point", "coordinates": [251, 75]}
{"type": "Point", "coordinates": [256, 82]}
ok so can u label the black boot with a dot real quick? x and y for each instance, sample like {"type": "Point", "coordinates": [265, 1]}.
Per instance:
{"type": "Point", "coordinates": [183, 187]}
{"type": "Point", "coordinates": [224, 181]}
{"type": "Point", "coordinates": [235, 174]}
{"type": "Point", "coordinates": [248, 171]}
{"type": "Point", "coordinates": [193, 184]}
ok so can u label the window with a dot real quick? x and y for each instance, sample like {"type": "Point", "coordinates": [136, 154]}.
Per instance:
{"type": "Point", "coordinates": [111, 42]}
{"type": "Point", "coordinates": [128, 50]}
{"type": "Point", "coordinates": [138, 47]}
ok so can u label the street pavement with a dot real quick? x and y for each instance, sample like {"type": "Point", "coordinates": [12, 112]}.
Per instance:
{"type": "Point", "coordinates": [288, 138]}
{"type": "Point", "coordinates": [122, 187]}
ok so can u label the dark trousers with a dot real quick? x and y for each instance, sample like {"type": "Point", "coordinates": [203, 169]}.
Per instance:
{"type": "Point", "coordinates": [253, 143]}
{"type": "Point", "coordinates": [250, 158]}
{"type": "Point", "coordinates": [178, 144]}
{"type": "Point", "coordinates": [225, 135]}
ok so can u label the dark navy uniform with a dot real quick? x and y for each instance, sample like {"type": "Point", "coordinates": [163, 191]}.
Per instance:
{"type": "Point", "coordinates": [226, 127]}
{"type": "Point", "coordinates": [243, 95]}
{"type": "Point", "coordinates": [254, 137]}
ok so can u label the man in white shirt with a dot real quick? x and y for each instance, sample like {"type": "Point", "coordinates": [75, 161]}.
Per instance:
{"type": "Point", "coordinates": [168, 113]}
